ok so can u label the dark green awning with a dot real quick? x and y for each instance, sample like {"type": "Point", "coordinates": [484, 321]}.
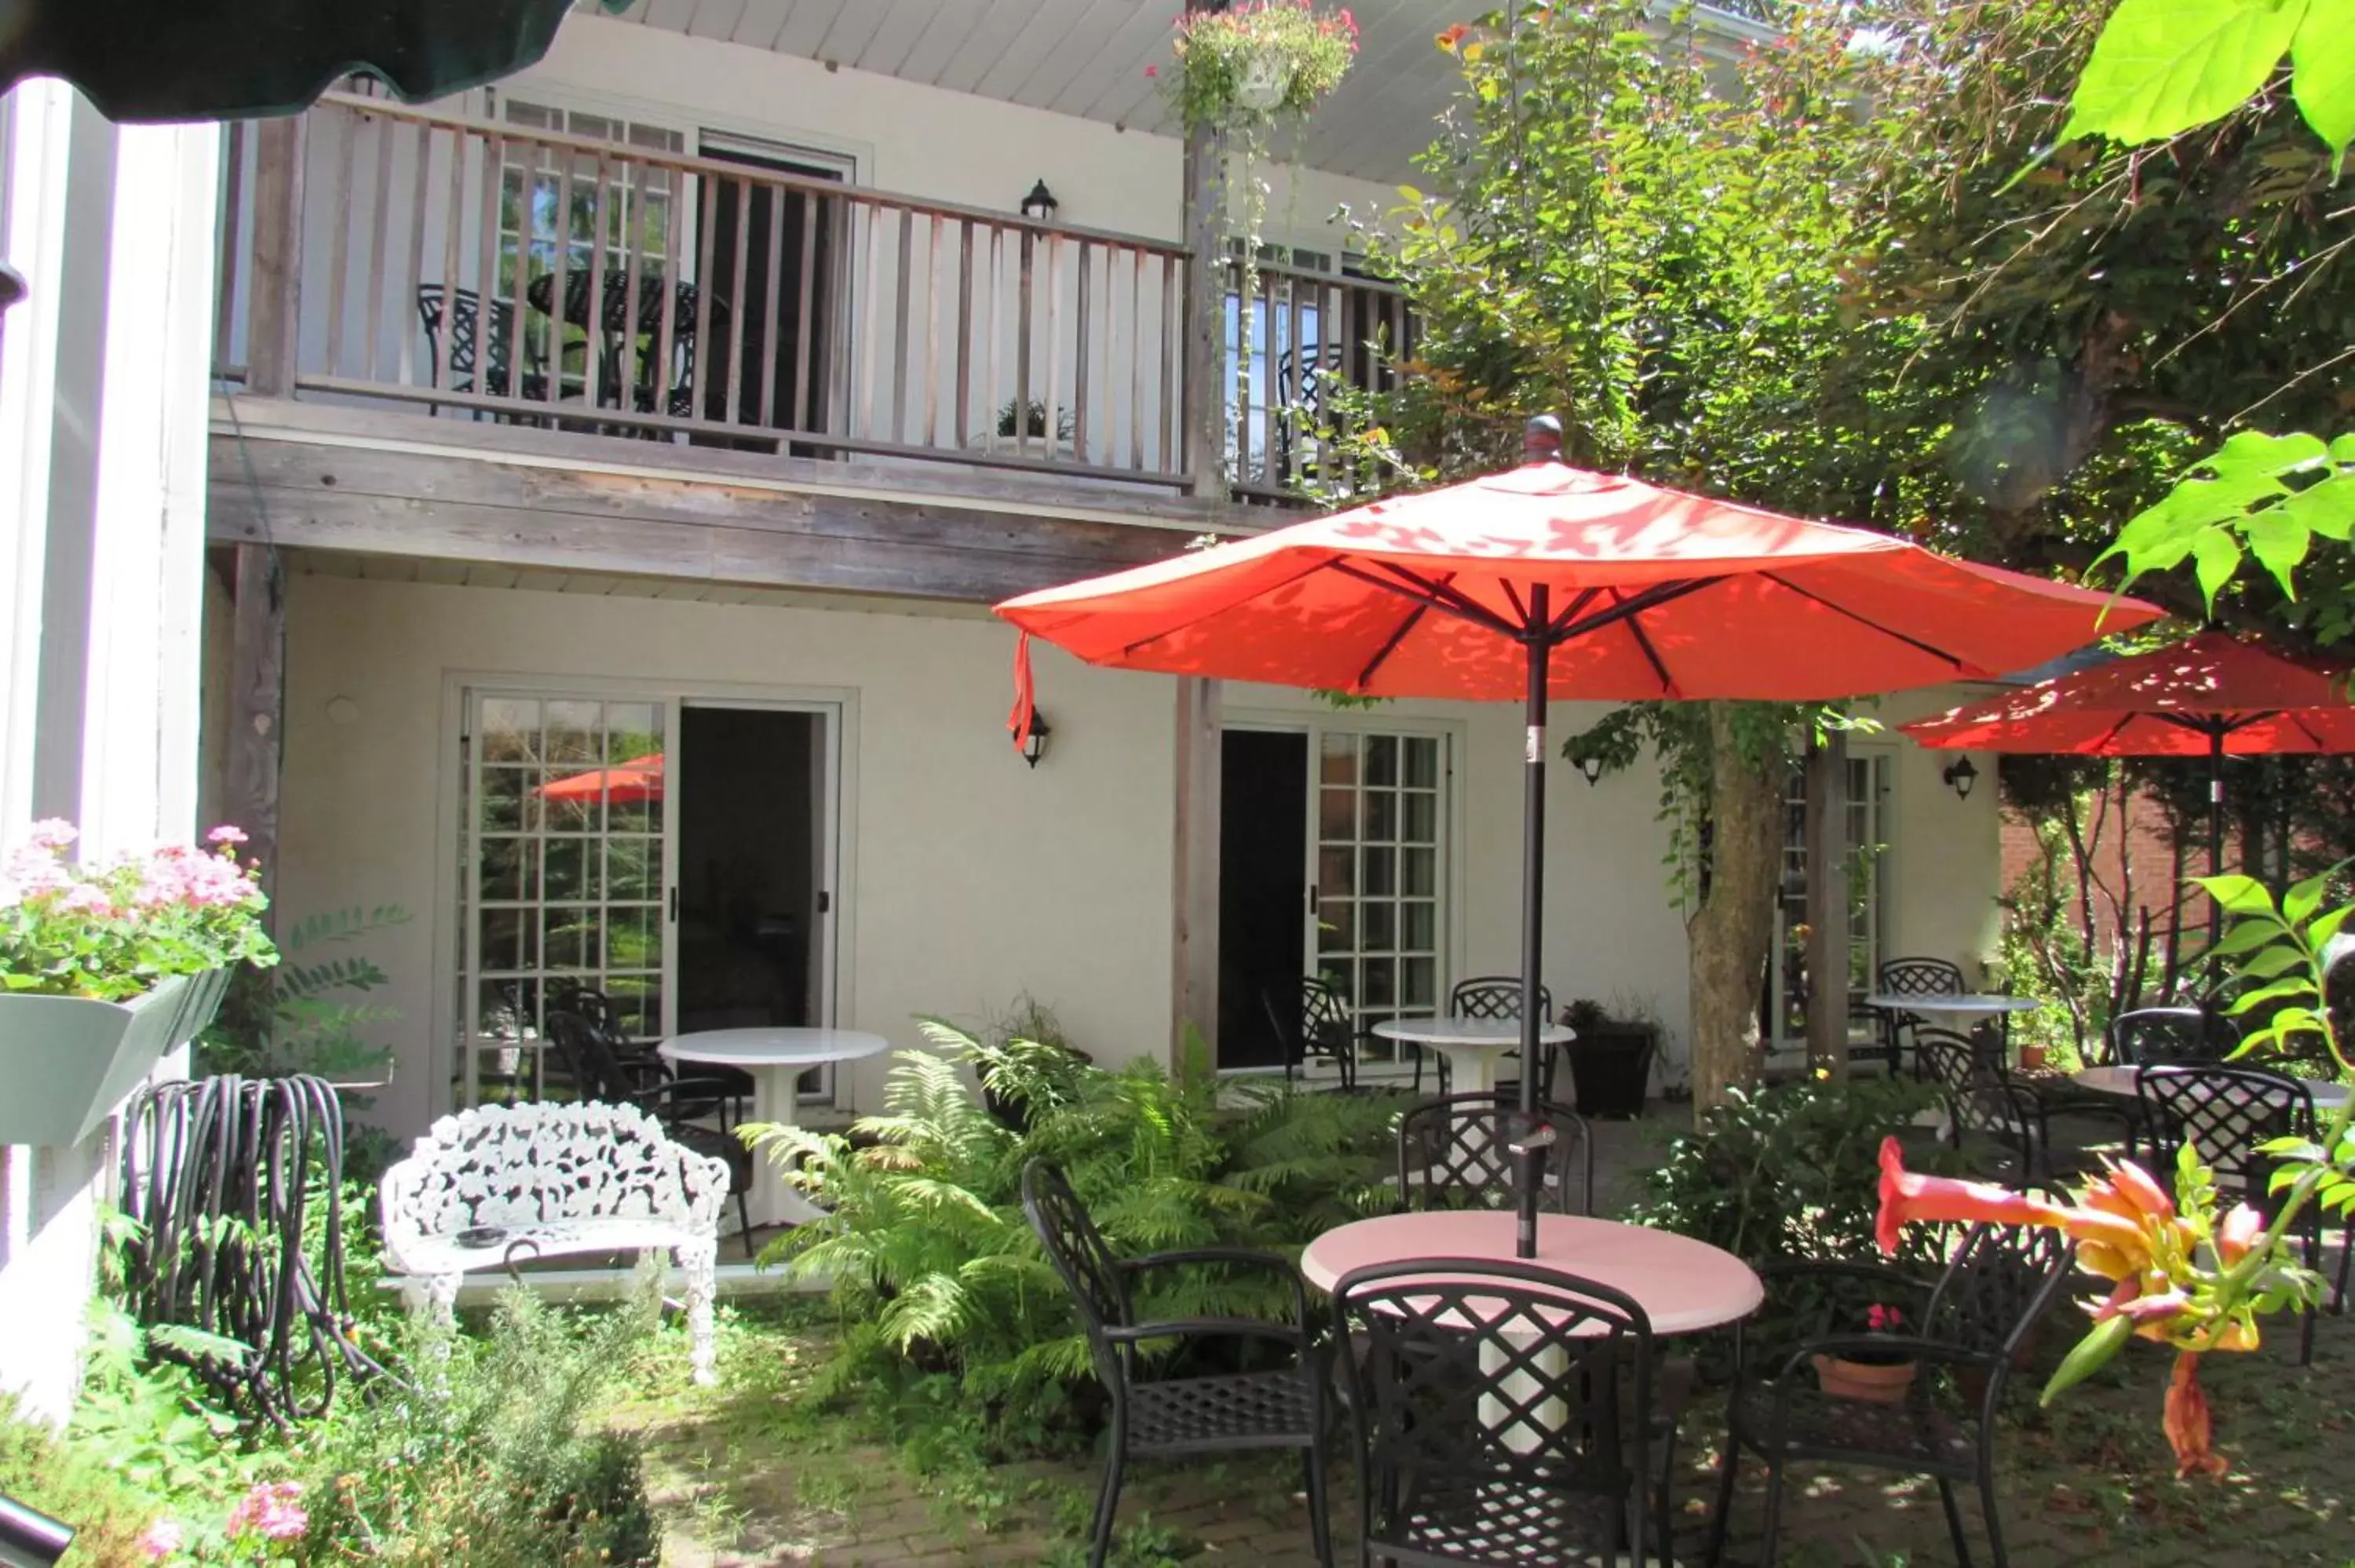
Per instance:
{"type": "Point", "coordinates": [231, 59]}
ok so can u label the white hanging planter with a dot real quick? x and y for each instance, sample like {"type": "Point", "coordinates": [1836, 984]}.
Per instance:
{"type": "Point", "coordinates": [1263, 80]}
{"type": "Point", "coordinates": [68, 1061]}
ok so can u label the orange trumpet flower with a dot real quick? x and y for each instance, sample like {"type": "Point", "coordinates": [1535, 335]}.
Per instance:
{"type": "Point", "coordinates": [2187, 1421]}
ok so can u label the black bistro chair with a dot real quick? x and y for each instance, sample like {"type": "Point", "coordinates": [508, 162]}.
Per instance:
{"type": "Point", "coordinates": [683, 1105]}
{"type": "Point", "coordinates": [1965, 1331]}
{"type": "Point", "coordinates": [1311, 1018]}
{"type": "Point", "coordinates": [1503, 1414]}
{"type": "Point", "coordinates": [1912, 977]}
{"type": "Point", "coordinates": [2151, 1036]}
{"type": "Point", "coordinates": [645, 1068]}
{"type": "Point", "coordinates": [1453, 1153]}
{"type": "Point", "coordinates": [1496, 999]}
{"type": "Point", "coordinates": [1152, 1416]}
{"type": "Point", "coordinates": [480, 354]}
{"type": "Point", "coordinates": [2226, 1113]}
{"type": "Point", "coordinates": [2005, 1126]}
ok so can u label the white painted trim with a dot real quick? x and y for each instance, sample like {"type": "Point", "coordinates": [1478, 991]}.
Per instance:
{"type": "Point", "coordinates": [688, 119]}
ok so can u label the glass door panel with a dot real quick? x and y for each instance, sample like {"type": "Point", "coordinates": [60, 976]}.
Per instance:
{"type": "Point", "coordinates": [1790, 982]}
{"type": "Point", "coordinates": [1380, 827]}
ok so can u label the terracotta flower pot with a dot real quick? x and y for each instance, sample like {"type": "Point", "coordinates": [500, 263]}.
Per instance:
{"type": "Point", "coordinates": [1874, 1383]}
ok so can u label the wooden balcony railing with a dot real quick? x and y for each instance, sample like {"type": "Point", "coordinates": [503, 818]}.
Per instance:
{"type": "Point", "coordinates": [480, 270]}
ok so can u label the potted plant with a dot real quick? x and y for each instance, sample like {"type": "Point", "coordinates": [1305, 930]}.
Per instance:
{"type": "Point", "coordinates": [1880, 1377]}
{"type": "Point", "coordinates": [1611, 1060]}
{"type": "Point", "coordinates": [1260, 61]}
{"type": "Point", "coordinates": [106, 967]}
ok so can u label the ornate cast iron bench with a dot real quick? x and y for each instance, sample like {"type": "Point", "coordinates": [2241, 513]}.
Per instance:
{"type": "Point", "coordinates": [508, 1183]}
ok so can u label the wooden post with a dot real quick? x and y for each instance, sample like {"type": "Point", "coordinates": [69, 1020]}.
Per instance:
{"type": "Point", "coordinates": [1194, 992]}
{"type": "Point", "coordinates": [276, 313]}
{"type": "Point", "coordinates": [1826, 828]}
{"type": "Point", "coordinates": [257, 705]}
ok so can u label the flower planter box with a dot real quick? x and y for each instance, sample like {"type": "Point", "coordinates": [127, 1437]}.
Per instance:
{"type": "Point", "coordinates": [68, 1061]}
{"type": "Point", "coordinates": [1612, 1066]}
{"type": "Point", "coordinates": [1873, 1382]}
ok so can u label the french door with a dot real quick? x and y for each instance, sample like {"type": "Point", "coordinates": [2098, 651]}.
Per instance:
{"type": "Point", "coordinates": [1789, 984]}
{"type": "Point", "coordinates": [568, 869]}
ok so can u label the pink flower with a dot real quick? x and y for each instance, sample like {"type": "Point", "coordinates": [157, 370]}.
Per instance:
{"type": "Point", "coordinates": [163, 1539]}
{"type": "Point", "coordinates": [1882, 1320]}
{"type": "Point", "coordinates": [86, 899]}
{"type": "Point", "coordinates": [51, 834]}
{"type": "Point", "coordinates": [226, 834]}
{"type": "Point", "coordinates": [271, 1511]}
{"type": "Point", "coordinates": [1152, 70]}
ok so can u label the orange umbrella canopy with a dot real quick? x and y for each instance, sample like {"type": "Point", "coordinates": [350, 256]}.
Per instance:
{"type": "Point", "coordinates": [2178, 701]}
{"type": "Point", "coordinates": [1648, 593]}
{"type": "Point", "coordinates": [640, 778]}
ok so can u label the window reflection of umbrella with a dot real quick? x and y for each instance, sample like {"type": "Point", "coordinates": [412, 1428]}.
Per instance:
{"type": "Point", "coordinates": [1549, 582]}
{"type": "Point", "coordinates": [638, 779]}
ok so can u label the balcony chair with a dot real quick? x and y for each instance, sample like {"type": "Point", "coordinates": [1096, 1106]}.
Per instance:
{"type": "Point", "coordinates": [469, 348]}
{"type": "Point", "coordinates": [1503, 1415]}
{"type": "Point", "coordinates": [1970, 1328]}
{"type": "Point", "coordinates": [1152, 1417]}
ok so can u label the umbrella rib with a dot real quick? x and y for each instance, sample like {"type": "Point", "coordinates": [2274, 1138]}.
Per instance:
{"type": "Point", "coordinates": [1389, 645]}
{"type": "Point", "coordinates": [1650, 599]}
{"type": "Point", "coordinates": [1437, 596]}
{"type": "Point", "coordinates": [1636, 628]}
{"type": "Point", "coordinates": [1570, 612]}
{"type": "Point", "coordinates": [1222, 610]}
{"type": "Point", "coordinates": [1963, 665]}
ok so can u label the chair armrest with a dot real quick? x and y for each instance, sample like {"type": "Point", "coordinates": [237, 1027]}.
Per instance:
{"type": "Point", "coordinates": [1244, 1256]}
{"type": "Point", "coordinates": [1202, 1328]}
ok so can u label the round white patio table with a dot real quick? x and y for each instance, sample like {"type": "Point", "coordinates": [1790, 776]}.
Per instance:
{"type": "Point", "coordinates": [1473, 1047]}
{"type": "Point", "coordinates": [1960, 1004]}
{"type": "Point", "coordinates": [776, 1058]}
{"type": "Point", "coordinates": [2117, 1080]}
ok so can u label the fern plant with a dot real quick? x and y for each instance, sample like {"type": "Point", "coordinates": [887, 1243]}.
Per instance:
{"type": "Point", "coordinates": [937, 1273]}
{"type": "Point", "coordinates": [311, 1014]}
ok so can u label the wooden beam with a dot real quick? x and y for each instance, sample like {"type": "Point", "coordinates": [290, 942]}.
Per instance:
{"type": "Point", "coordinates": [1194, 938]}
{"type": "Point", "coordinates": [293, 493]}
{"type": "Point", "coordinates": [1825, 834]}
{"type": "Point", "coordinates": [257, 704]}
{"type": "Point", "coordinates": [274, 317]}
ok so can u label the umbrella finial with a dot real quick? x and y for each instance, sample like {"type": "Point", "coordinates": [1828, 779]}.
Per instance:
{"type": "Point", "coordinates": [1541, 439]}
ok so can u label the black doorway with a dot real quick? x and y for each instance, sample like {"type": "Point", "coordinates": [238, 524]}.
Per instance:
{"type": "Point", "coordinates": [752, 812]}
{"type": "Point", "coordinates": [1262, 886]}
{"type": "Point", "coordinates": [786, 237]}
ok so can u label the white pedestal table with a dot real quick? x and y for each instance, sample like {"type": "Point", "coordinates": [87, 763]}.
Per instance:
{"type": "Point", "coordinates": [776, 1058]}
{"type": "Point", "coordinates": [1473, 1046]}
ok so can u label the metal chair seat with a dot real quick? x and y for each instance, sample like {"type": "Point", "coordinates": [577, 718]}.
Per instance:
{"type": "Point", "coordinates": [1819, 1426]}
{"type": "Point", "coordinates": [1479, 1519]}
{"type": "Point", "coordinates": [1240, 1410]}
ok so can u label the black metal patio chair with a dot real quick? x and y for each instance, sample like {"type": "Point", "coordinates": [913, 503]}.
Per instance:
{"type": "Point", "coordinates": [1972, 1327]}
{"type": "Point", "coordinates": [1452, 1154]}
{"type": "Point", "coordinates": [2149, 1036]}
{"type": "Point", "coordinates": [2007, 1127]}
{"type": "Point", "coordinates": [645, 1068]}
{"type": "Point", "coordinates": [1496, 999]}
{"type": "Point", "coordinates": [682, 1105]}
{"type": "Point", "coordinates": [1502, 1414]}
{"type": "Point", "coordinates": [2227, 1114]}
{"type": "Point", "coordinates": [1911, 976]}
{"type": "Point", "coordinates": [479, 352]}
{"type": "Point", "coordinates": [1152, 1417]}
{"type": "Point", "coordinates": [1311, 1018]}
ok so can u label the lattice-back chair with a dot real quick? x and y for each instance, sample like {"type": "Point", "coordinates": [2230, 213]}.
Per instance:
{"type": "Point", "coordinates": [1965, 1333]}
{"type": "Point", "coordinates": [645, 1068]}
{"type": "Point", "coordinates": [1496, 999]}
{"type": "Point", "coordinates": [683, 1105]}
{"type": "Point", "coordinates": [469, 348]}
{"type": "Point", "coordinates": [1153, 1416]}
{"type": "Point", "coordinates": [2021, 1130]}
{"type": "Point", "coordinates": [2226, 1113]}
{"type": "Point", "coordinates": [1912, 977]}
{"type": "Point", "coordinates": [2152, 1036]}
{"type": "Point", "coordinates": [1312, 1018]}
{"type": "Point", "coordinates": [1454, 1153]}
{"type": "Point", "coordinates": [1503, 1414]}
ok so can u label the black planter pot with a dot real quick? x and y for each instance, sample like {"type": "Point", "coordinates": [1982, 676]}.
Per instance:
{"type": "Point", "coordinates": [1612, 1066]}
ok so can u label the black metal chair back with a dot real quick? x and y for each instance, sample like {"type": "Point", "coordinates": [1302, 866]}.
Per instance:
{"type": "Point", "coordinates": [461, 336]}
{"type": "Point", "coordinates": [589, 1058]}
{"type": "Point", "coordinates": [1502, 1413]}
{"type": "Point", "coordinates": [1453, 1153]}
{"type": "Point", "coordinates": [1494, 998]}
{"type": "Point", "coordinates": [1314, 1019]}
{"type": "Point", "coordinates": [1087, 1264]}
{"type": "Point", "coordinates": [1921, 977]}
{"type": "Point", "coordinates": [2001, 1280]}
{"type": "Point", "coordinates": [2150, 1036]}
{"type": "Point", "coordinates": [2226, 1112]}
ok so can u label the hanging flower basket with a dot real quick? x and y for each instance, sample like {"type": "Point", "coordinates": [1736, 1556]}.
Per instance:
{"type": "Point", "coordinates": [105, 967]}
{"type": "Point", "coordinates": [1264, 59]}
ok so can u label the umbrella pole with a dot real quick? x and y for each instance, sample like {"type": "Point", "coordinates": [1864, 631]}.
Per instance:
{"type": "Point", "coordinates": [1531, 1151]}
{"type": "Point", "coordinates": [2215, 826]}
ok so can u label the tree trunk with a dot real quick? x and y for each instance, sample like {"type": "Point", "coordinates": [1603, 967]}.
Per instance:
{"type": "Point", "coordinates": [1731, 928]}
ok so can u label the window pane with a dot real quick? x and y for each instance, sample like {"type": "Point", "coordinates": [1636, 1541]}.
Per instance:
{"type": "Point", "coordinates": [574, 733]}
{"type": "Point", "coordinates": [1419, 927]}
{"type": "Point", "coordinates": [631, 939]}
{"type": "Point", "coordinates": [632, 868]}
{"type": "Point", "coordinates": [1421, 760]}
{"type": "Point", "coordinates": [1339, 762]}
{"type": "Point", "coordinates": [507, 797]}
{"type": "Point", "coordinates": [1337, 816]}
{"type": "Point", "coordinates": [1421, 819]}
{"type": "Point", "coordinates": [1422, 868]}
{"type": "Point", "coordinates": [1381, 816]}
{"type": "Point", "coordinates": [571, 868]}
{"type": "Point", "coordinates": [1381, 759]}
{"type": "Point", "coordinates": [1336, 872]}
{"type": "Point", "coordinates": [1381, 983]}
{"type": "Point", "coordinates": [1336, 926]}
{"type": "Point", "coordinates": [510, 730]}
{"type": "Point", "coordinates": [1382, 871]}
{"type": "Point", "coordinates": [575, 937]}
{"type": "Point", "coordinates": [1381, 928]}
{"type": "Point", "coordinates": [1419, 983]}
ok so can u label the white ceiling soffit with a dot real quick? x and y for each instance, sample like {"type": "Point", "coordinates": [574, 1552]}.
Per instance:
{"type": "Point", "coordinates": [1088, 57]}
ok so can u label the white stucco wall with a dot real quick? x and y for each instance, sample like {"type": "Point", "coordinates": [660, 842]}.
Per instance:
{"type": "Point", "coordinates": [968, 878]}
{"type": "Point", "coordinates": [103, 445]}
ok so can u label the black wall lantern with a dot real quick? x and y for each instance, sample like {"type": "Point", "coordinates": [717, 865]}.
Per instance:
{"type": "Point", "coordinates": [1591, 767]}
{"type": "Point", "coordinates": [1034, 743]}
{"type": "Point", "coordinates": [1961, 775]}
{"type": "Point", "coordinates": [1040, 203]}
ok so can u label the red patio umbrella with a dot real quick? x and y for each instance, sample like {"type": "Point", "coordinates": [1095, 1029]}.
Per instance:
{"type": "Point", "coordinates": [1547, 582]}
{"type": "Point", "coordinates": [640, 778]}
{"type": "Point", "coordinates": [2214, 693]}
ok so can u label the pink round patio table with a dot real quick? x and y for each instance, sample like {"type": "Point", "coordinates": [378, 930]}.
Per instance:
{"type": "Point", "coordinates": [1684, 1286]}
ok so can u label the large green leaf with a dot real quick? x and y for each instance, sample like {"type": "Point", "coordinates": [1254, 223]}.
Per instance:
{"type": "Point", "coordinates": [2322, 77]}
{"type": "Point", "coordinates": [2163, 66]}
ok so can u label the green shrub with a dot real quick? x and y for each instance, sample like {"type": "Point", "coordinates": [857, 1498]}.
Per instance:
{"type": "Point", "coordinates": [68, 1481]}
{"type": "Point", "coordinates": [936, 1272]}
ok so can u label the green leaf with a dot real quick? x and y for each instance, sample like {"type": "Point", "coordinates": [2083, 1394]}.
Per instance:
{"type": "Point", "coordinates": [2322, 79]}
{"type": "Point", "coordinates": [2164, 66]}
{"type": "Point", "coordinates": [2215, 557]}
{"type": "Point", "coordinates": [2245, 937]}
{"type": "Point", "coordinates": [2325, 507]}
{"type": "Point", "coordinates": [2301, 901]}
{"type": "Point", "coordinates": [2239, 895]}
{"type": "Point", "coordinates": [2279, 543]}
{"type": "Point", "coordinates": [2092, 1352]}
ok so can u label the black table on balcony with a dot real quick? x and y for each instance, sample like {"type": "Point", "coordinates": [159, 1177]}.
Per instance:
{"type": "Point", "coordinates": [614, 322]}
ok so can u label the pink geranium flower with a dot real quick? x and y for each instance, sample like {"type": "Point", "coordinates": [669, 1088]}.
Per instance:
{"type": "Point", "coordinates": [163, 1538]}
{"type": "Point", "coordinates": [272, 1510]}
{"type": "Point", "coordinates": [226, 834]}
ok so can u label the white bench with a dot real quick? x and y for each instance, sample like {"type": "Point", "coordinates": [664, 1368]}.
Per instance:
{"type": "Point", "coordinates": [551, 1181]}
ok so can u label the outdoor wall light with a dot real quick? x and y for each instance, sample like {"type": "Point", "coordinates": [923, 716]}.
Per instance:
{"type": "Point", "coordinates": [30, 1539]}
{"type": "Point", "coordinates": [1592, 767]}
{"type": "Point", "coordinates": [1040, 203]}
{"type": "Point", "coordinates": [1961, 774]}
{"type": "Point", "coordinates": [1034, 745]}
